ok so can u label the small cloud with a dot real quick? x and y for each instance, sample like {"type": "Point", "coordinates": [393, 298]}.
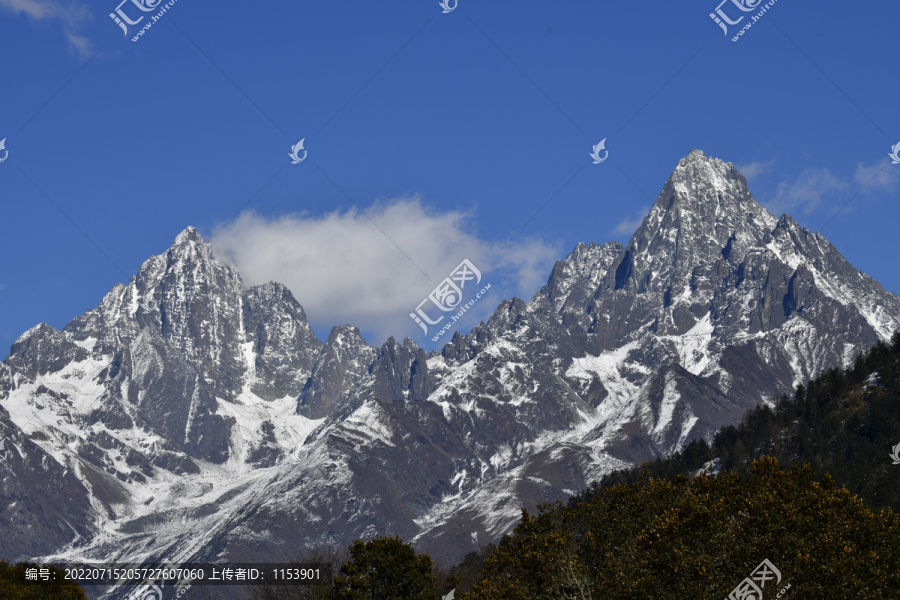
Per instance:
{"type": "Point", "coordinates": [879, 176]}
{"type": "Point", "coordinates": [72, 15]}
{"type": "Point", "coordinates": [756, 168]}
{"type": "Point", "coordinates": [806, 192]}
{"type": "Point", "coordinates": [813, 187]}
{"type": "Point", "coordinates": [629, 225]}
{"type": "Point", "coordinates": [81, 45]}
{"type": "Point", "coordinates": [529, 262]}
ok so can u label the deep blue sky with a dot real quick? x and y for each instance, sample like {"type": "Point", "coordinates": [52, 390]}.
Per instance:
{"type": "Point", "coordinates": [489, 110]}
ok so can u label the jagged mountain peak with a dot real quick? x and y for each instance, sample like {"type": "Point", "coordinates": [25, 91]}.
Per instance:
{"type": "Point", "coordinates": [184, 294]}
{"type": "Point", "coordinates": [391, 344]}
{"type": "Point", "coordinates": [189, 235]}
{"type": "Point", "coordinates": [39, 329]}
{"type": "Point", "coordinates": [194, 389]}
{"type": "Point", "coordinates": [340, 366]}
{"type": "Point", "coordinates": [341, 335]}
{"type": "Point", "coordinates": [575, 279]}
{"type": "Point", "coordinates": [698, 164]}
{"type": "Point", "coordinates": [714, 191]}
{"type": "Point", "coordinates": [704, 212]}
{"type": "Point", "coordinates": [273, 293]}
{"type": "Point", "coordinates": [189, 248]}
{"type": "Point", "coordinates": [283, 346]}
{"type": "Point", "coordinates": [43, 349]}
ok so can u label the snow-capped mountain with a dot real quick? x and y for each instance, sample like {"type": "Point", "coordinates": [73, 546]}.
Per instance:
{"type": "Point", "coordinates": [189, 418]}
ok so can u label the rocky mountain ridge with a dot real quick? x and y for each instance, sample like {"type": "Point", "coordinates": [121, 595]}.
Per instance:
{"type": "Point", "coordinates": [200, 420]}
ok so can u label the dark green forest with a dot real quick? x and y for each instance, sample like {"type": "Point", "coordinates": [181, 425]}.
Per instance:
{"type": "Point", "coordinates": [701, 538]}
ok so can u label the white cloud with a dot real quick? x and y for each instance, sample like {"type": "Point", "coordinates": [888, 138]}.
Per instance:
{"type": "Point", "coordinates": [72, 15]}
{"type": "Point", "coordinates": [879, 176]}
{"type": "Point", "coordinates": [629, 225]}
{"type": "Point", "coordinates": [813, 187]}
{"type": "Point", "coordinates": [344, 269]}
{"type": "Point", "coordinates": [805, 193]}
{"type": "Point", "coordinates": [81, 45]}
{"type": "Point", "coordinates": [756, 168]}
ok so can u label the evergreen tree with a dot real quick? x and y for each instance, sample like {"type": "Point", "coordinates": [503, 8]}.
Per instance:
{"type": "Point", "coordinates": [385, 568]}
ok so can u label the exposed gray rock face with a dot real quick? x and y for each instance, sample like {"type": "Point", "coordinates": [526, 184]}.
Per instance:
{"type": "Point", "coordinates": [339, 370]}
{"type": "Point", "coordinates": [45, 506]}
{"type": "Point", "coordinates": [165, 394]}
{"type": "Point", "coordinates": [285, 346]}
{"type": "Point", "coordinates": [190, 300]}
{"type": "Point", "coordinates": [400, 373]}
{"type": "Point", "coordinates": [194, 403]}
{"type": "Point", "coordinates": [136, 386]}
{"type": "Point", "coordinates": [43, 350]}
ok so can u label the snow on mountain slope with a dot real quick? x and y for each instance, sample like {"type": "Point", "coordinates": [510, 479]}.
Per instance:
{"type": "Point", "coordinates": [203, 420]}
